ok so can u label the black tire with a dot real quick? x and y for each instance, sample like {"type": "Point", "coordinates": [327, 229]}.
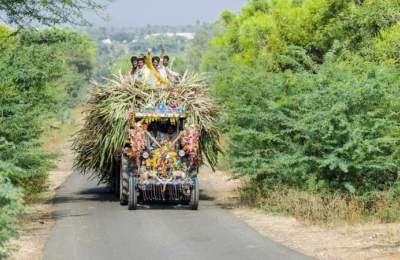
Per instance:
{"type": "Point", "coordinates": [117, 178]}
{"type": "Point", "coordinates": [124, 181]}
{"type": "Point", "coordinates": [132, 197]}
{"type": "Point", "coordinates": [194, 196]}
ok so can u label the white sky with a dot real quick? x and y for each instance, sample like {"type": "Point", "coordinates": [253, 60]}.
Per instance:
{"type": "Point", "coordinates": [124, 13]}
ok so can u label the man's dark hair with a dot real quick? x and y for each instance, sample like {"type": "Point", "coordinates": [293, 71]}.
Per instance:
{"type": "Point", "coordinates": [166, 57]}
{"type": "Point", "coordinates": [133, 58]}
{"type": "Point", "coordinates": [156, 58]}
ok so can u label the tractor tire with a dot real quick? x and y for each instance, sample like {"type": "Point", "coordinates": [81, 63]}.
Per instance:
{"type": "Point", "coordinates": [133, 194]}
{"type": "Point", "coordinates": [117, 178]}
{"type": "Point", "coordinates": [124, 181]}
{"type": "Point", "coordinates": [195, 195]}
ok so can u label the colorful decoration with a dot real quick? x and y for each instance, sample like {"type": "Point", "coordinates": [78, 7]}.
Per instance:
{"type": "Point", "coordinates": [162, 163]}
{"type": "Point", "coordinates": [137, 140]}
{"type": "Point", "coordinates": [190, 142]}
{"type": "Point", "coordinates": [162, 108]}
{"type": "Point", "coordinates": [152, 114]}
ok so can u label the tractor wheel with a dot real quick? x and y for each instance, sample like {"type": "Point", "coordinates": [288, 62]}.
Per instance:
{"type": "Point", "coordinates": [133, 194]}
{"type": "Point", "coordinates": [194, 196]}
{"type": "Point", "coordinates": [117, 178]}
{"type": "Point", "coordinates": [124, 181]}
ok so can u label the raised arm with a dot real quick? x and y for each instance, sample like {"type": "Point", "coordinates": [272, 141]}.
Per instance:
{"type": "Point", "coordinates": [162, 54]}
{"type": "Point", "coordinates": [154, 72]}
{"type": "Point", "coordinates": [148, 60]}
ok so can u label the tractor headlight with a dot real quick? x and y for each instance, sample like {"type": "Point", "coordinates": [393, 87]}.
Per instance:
{"type": "Point", "coordinates": [181, 153]}
{"type": "Point", "coordinates": [145, 155]}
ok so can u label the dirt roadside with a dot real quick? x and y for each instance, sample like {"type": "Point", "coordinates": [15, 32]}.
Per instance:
{"type": "Point", "coordinates": [361, 241]}
{"type": "Point", "coordinates": [39, 221]}
{"type": "Point", "coordinates": [37, 224]}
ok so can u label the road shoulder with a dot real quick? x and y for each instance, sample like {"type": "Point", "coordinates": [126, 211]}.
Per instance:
{"type": "Point", "coordinates": [38, 223]}
{"type": "Point", "coordinates": [357, 241]}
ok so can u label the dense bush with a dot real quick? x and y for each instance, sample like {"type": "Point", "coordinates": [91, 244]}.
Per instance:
{"type": "Point", "coordinates": [41, 73]}
{"type": "Point", "coordinates": [336, 129]}
{"type": "Point", "coordinates": [310, 94]}
{"type": "Point", "coordinates": [11, 206]}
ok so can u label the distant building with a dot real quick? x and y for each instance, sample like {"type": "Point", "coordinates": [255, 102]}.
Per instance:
{"type": "Point", "coordinates": [107, 41]}
{"type": "Point", "coordinates": [188, 36]}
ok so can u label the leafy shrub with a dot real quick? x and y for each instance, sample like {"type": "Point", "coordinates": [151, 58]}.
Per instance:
{"type": "Point", "coordinates": [310, 100]}
{"type": "Point", "coordinates": [334, 130]}
{"type": "Point", "coordinates": [11, 205]}
{"type": "Point", "coordinates": [385, 47]}
{"type": "Point", "coordinates": [41, 73]}
{"type": "Point", "coordinates": [25, 165]}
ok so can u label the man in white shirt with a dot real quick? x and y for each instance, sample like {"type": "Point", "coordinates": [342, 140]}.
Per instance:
{"type": "Point", "coordinates": [140, 70]}
{"type": "Point", "coordinates": [169, 74]}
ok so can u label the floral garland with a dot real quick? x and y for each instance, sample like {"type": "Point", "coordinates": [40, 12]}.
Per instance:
{"type": "Point", "coordinates": [137, 137]}
{"type": "Point", "coordinates": [190, 142]}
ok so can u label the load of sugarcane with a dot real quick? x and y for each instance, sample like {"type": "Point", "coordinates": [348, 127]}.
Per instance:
{"type": "Point", "coordinates": [107, 119]}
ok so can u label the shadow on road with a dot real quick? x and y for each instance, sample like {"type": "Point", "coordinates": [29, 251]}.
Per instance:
{"type": "Point", "coordinates": [104, 194]}
{"type": "Point", "coordinates": [100, 194]}
{"type": "Point", "coordinates": [205, 196]}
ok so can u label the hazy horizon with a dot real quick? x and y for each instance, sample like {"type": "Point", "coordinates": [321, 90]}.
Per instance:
{"type": "Point", "coordinates": [124, 13]}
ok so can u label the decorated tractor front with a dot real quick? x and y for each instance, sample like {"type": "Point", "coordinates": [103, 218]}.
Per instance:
{"type": "Point", "coordinates": [161, 160]}
{"type": "Point", "coordinates": [153, 152]}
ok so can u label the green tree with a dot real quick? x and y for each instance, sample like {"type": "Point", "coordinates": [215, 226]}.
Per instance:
{"type": "Point", "coordinates": [309, 93]}
{"type": "Point", "coordinates": [24, 12]}
{"type": "Point", "coordinates": [265, 29]}
{"type": "Point", "coordinates": [41, 73]}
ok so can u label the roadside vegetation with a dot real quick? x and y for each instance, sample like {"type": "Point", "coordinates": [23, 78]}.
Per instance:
{"type": "Point", "coordinates": [310, 96]}
{"type": "Point", "coordinates": [43, 74]}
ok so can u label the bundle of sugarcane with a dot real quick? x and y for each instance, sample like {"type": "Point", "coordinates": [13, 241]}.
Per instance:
{"type": "Point", "coordinates": [107, 119]}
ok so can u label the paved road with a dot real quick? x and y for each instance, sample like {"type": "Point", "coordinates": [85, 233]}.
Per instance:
{"type": "Point", "coordinates": [90, 224]}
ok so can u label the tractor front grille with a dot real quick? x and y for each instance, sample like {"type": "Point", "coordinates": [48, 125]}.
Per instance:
{"type": "Point", "coordinates": [169, 192]}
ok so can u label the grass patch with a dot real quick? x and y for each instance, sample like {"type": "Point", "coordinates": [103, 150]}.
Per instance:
{"type": "Point", "coordinates": [60, 130]}
{"type": "Point", "coordinates": [324, 208]}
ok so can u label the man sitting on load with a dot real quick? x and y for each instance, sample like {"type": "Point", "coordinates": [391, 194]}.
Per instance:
{"type": "Point", "coordinates": [134, 66]}
{"type": "Point", "coordinates": [140, 69]}
{"type": "Point", "coordinates": [165, 70]}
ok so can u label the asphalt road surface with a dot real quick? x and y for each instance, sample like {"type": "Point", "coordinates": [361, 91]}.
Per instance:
{"type": "Point", "coordinates": [90, 224]}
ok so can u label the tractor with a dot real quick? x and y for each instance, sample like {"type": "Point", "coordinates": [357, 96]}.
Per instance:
{"type": "Point", "coordinates": [161, 158]}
